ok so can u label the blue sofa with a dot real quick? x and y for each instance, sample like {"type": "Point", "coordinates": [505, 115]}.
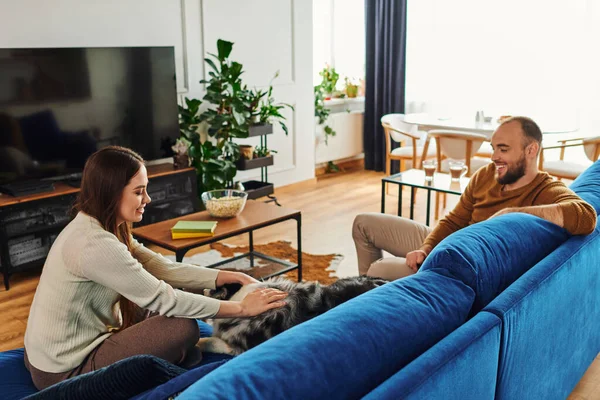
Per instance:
{"type": "Point", "coordinates": [508, 308]}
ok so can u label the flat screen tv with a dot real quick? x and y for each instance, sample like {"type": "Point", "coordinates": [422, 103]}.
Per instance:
{"type": "Point", "coordinates": [59, 105]}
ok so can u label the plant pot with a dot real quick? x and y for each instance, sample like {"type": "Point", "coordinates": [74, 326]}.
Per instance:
{"type": "Point", "coordinates": [246, 151]}
{"type": "Point", "coordinates": [181, 161]}
{"type": "Point", "coordinates": [352, 91]}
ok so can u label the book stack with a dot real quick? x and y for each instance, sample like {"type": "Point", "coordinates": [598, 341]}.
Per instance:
{"type": "Point", "coordinates": [193, 229]}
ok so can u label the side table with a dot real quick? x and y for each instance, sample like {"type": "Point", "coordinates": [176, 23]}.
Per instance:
{"type": "Point", "coordinates": [415, 179]}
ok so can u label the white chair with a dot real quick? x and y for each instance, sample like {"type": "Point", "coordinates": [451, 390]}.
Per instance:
{"type": "Point", "coordinates": [567, 169]}
{"type": "Point", "coordinates": [457, 145]}
{"type": "Point", "coordinates": [399, 131]}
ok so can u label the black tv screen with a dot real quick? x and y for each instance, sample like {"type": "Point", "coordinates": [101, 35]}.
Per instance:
{"type": "Point", "coordinates": [59, 105]}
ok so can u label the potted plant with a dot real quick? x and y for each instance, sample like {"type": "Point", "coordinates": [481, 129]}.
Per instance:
{"type": "Point", "coordinates": [329, 79]}
{"type": "Point", "coordinates": [226, 118]}
{"type": "Point", "coordinates": [350, 88]}
{"type": "Point", "coordinates": [270, 111]}
{"type": "Point", "coordinates": [232, 110]}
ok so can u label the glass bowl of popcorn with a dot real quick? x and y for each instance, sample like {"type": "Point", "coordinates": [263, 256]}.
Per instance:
{"type": "Point", "coordinates": [224, 203]}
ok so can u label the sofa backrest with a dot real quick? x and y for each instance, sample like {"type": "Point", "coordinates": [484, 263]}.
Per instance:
{"type": "Point", "coordinates": [492, 254]}
{"type": "Point", "coordinates": [462, 366]}
{"type": "Point", "coordinates": [348, 351]}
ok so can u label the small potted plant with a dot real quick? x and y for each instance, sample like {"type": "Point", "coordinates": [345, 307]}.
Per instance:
{"type": "Point", "coordinates": [246, 151]}
{"type": "Point", "coordinates": [351, 88]}
{"type": "Point", "coordinates": [181, 158]}
{"type": "Point", "coordinates": [329, 81]}
{"type": "Point", "coordinates": [269, 110]}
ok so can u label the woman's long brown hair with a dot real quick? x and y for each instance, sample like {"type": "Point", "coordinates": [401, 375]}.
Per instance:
{"type": "Point", "coordinates": [105, 175]}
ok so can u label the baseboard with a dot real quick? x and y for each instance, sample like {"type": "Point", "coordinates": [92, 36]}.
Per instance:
{"type": "Point", "coordinates": [348, 165]}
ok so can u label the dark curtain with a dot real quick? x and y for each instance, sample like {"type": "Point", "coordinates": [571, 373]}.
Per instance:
{"type": "Point", "coordinates": [386, 72]}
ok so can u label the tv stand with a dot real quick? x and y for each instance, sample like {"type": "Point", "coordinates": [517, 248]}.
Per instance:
{"type": "Point", "coordinates": [25, 188]}
{"type": "Point", "coordinates": [72, 181]}
{"type": "Point", "coordinates": [30, 223]}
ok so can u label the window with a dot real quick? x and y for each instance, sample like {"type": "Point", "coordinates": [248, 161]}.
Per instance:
{"type": "Point", "coordinates": [511, 57]}
{"type": "Point", "coordinates": [339, 38]}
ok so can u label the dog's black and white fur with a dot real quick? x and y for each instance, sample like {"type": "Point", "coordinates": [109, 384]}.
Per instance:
{"type": "Point", "coordinates": [305, 300]}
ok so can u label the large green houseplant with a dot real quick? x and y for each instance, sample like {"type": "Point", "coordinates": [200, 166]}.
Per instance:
{"type": "Point", "coordinates": [233, 108]}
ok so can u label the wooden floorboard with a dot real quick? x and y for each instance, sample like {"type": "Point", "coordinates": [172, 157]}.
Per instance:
{"type": "Point", "coordinates": [328, 207]}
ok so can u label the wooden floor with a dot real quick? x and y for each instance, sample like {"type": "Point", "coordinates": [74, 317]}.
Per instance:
{"type": "Point", "coordinates": [328, 209]}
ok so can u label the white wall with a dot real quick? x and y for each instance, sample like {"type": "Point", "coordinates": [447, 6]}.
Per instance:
{"type": "Point", "coordinates": [269, 35]}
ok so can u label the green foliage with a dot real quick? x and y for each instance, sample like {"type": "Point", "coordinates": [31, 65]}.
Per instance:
{"type": "Point", "coordinates": [232, 109]}
{"type": "Point", "coordinates": [262, 151]}
{"type": "Point", "coordinates": [322, 113]}
{"type": "Point", "coordinates": [329, 79]}
{"type": "Point", "coordinates": [269, 110]}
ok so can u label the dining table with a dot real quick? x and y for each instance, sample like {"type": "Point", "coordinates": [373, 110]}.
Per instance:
{"type": "Point", "coordinates": [429, 122]}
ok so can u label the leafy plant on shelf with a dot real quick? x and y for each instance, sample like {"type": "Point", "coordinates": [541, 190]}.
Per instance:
{"type": "Point", "coordinates": [232, 109]}
{"type": "Point", "coordinates": [270, 110]}
{"type": "Point", "coordinates": [263, 151]}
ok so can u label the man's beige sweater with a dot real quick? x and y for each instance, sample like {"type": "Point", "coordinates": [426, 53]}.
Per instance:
{"type": "Point", "coordinates": [75, 306]}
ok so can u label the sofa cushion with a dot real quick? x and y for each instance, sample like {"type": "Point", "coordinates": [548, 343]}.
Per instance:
{"type": "Point", "coordinates": [349, 350]}
{"type": "Point", "coordinates": [121, 380]}
{"type": "Point", "coordinates": [490, 255]}
{"type": "Point", "coordinates": [587, 186]}
{"type": "Point", "coordinates": [16, 383]}
{"type": "Point", "coordinates": [178, 384]}
{"type": "Point", "coordinates": [15, 380]}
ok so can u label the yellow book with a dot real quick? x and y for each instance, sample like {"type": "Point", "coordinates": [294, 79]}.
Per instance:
{"type": "Point", "coordinates": [194, 227]}
{"type": "Point", "coordinates": [189, 235]}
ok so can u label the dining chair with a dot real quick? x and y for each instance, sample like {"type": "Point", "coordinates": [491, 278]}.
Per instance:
{"type": "Point", "coordinates": [403, 133]}
{"type": "Point", "coordinates": [568, 169]}
{"type": "Point", "coordinates": [457, 145]}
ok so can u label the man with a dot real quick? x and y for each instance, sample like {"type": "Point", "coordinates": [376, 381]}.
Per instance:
{"type": "Point", "coordinates": [512, 183]}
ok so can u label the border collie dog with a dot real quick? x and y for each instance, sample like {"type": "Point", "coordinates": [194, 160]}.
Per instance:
{"type": "Point", "coordinates": [305, 300]}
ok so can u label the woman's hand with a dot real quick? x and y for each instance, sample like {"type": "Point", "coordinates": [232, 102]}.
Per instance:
{"type": "Point", "coordinates": [233, 277]}
{"type": "Point", "coordinates": [261, 300]}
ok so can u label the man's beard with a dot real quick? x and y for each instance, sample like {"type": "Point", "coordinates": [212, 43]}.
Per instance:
{"type": "Point", "coordinates": [513, 174]}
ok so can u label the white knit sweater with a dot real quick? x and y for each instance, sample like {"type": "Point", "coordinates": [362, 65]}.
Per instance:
{"type": "Point", "coordinates": [75, 305]}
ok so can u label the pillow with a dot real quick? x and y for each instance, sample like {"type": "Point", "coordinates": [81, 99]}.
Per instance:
{"type": "Point", "coordinates": [350, 349]}
{"type": "Point", "coordinates": [176, 385]}
{"type": "Point", "coordinates": [121, 380]}
{"type": "Point", "coordinates": [587, 186]}
{"type": "Point", "coordinates": [490, 255]}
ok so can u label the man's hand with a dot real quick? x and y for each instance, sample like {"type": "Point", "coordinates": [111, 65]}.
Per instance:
{"type": "Point", "coordinates": [414, 259]}
{"type": "Point", "coordinates": [504, 211]}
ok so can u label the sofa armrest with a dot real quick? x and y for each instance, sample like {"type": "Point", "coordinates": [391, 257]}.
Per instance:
{"type": "Point", "coordinates": [550, 323]}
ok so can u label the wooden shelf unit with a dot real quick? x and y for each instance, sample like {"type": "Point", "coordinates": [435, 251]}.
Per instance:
{"type": "Point", "coordinates": [35, 220]}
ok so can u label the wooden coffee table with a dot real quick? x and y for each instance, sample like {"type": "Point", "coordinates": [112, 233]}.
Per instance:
{"type": "Point", "coordinates": [255, 215]}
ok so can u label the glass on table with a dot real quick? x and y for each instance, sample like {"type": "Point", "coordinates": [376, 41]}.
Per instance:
{"type": "Point", "coordinates": [429, 166]}
{"type": "Point", "coordinates": [458, 169]}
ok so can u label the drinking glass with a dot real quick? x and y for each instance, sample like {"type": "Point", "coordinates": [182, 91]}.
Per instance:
{"type": "Point", "coordinates": [458, 169]}
{"type": "Point", "coordinates": [429, 166]}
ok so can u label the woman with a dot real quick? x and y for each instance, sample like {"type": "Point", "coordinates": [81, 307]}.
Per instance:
{"type": "Point", "coordinates": [83, 316]}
